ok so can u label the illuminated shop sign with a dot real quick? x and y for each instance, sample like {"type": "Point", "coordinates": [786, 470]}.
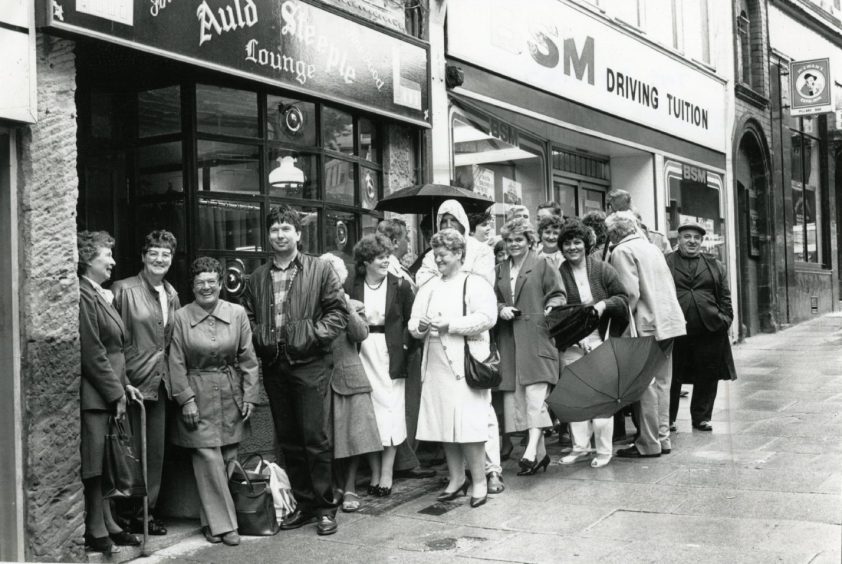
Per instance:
{"type": "Point", "coordinates": [288, 43]}
{"type": "Point", "coordinates": [577, 55]}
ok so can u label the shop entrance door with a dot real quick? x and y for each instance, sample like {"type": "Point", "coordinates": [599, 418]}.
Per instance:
{"type": "Point", "coordinates": [578, 197]}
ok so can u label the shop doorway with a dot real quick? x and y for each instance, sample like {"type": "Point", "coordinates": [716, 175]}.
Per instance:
{"type": "Point", "coordinates": [580, 181]}
{"type": "Point", "coordinates": [754, 227]}
{"type": "Point", "coordinates": [578, 197]}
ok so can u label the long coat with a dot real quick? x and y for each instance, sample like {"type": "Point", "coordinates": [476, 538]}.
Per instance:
{"type": "Point", "coordinates": [712, 304]}
{"type": "Point", "coordinates": [147, 336]}
{"type": "Point", "coordinates": [649, 286]}
{"type": "Point", "coordinates": [527, 353]}
{"type": "Point", "coordinates": [102, 336]}
{"type": "Point", "coordinates": [212, 360]}
{"type": "Point", "coordinates": [399, 298]}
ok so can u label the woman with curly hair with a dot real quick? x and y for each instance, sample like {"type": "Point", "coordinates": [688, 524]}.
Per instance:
{"type": "Point", "coordinates": [590, 281]}
{"type": "Point", "coordinates": [104, 386]}
{"type": "Point", "coordinates": [527, 287]}
{"type": "Point", "coordinates": [388, 304]}
{"type": "Point", "coordinates": [453, 309]}
{"type": "Point", "coordinates": [548, 229]}
{"type": "Point", "coordinates": [213, 379]}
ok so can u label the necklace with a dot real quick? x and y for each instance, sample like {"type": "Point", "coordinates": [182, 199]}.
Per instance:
{"type": "Point", "coordinates": [370, 287]}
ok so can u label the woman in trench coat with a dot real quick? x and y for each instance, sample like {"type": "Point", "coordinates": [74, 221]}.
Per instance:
{"type": "Point", "coordinates": [527, 286]}
{"type": "Point", "coordinates": [213, 378]}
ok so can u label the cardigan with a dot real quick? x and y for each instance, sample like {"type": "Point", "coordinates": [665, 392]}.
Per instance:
{"type": "Point", "coordinates": [605, 286]}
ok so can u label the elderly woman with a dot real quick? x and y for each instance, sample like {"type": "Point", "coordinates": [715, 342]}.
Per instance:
{"type": "Point", "coordinates": [213, 379]}
{"type": "Point", "coordinates": [388, 305]}
{"type": "Point", "coordinates": [548, 230]}
{"type": "Point", "coordinates": [590, 281]}
{"type": "Point", "coordinates": [527, 287]}
{"type": "Point", "coordinates": [147, 304]}
{"type": "Point", "coordinates": [596, 221]}
{"type": "Point", "coordinates": [450, 310]}
{"type": "Point", "coordinates": [354, 425]}
{"type": "Point", "coordinates": [703, 356]}
{"type": "Point", "coordinates": [104, 385]}
{"type": "Point", "coordinates": [655, 311]}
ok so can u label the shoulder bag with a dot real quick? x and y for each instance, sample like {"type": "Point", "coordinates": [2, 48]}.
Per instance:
{"type": "Point", "coordinates": [482, 375]}
{"type": "Point", "coordinates": [253, 500]}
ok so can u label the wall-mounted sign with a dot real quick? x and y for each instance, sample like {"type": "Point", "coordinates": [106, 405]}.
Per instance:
{"type": "Point", "coordinates": [483, 181]}
{"type": "Point", "coordinates": [17, 72]}
{"type": "Point", "coordinates": [810, 87]}
{"type": "Point", "coordinates": [287, 43]}
{"type": "Point", "coordinates": [571, 53]}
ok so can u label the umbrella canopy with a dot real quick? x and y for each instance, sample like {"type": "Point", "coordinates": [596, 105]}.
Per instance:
{"type": "Point", "coordinates": [426, 198]}
{"type": "Point", "coordinates": [569, 324]}
{"type": "Point", "coordinates": [612, 376]}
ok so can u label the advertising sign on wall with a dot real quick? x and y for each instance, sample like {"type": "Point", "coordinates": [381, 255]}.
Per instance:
{"type": "Point", "coordinates": [810, 87]}
{"type": "Point", "coordinates": [288, 43]}
{"type": "Point", "coordinates": [571, 53]}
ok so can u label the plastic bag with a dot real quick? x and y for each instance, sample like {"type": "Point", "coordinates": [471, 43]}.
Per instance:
{"type": "Point", "coordinates": [281, 489]}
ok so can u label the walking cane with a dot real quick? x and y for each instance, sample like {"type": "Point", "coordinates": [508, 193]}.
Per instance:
{"type": "Point", "coordinates": [143, 550]}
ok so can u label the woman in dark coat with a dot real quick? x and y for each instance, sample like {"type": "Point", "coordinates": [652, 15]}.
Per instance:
{"type": "Point", "coordinates": [590, 281]}
{"type": "Point", "coordinates": [104, 386]}
{"type": "Point", "coordinates": [388, 306]}
{"type": "Point", "coordinates": [703, 356]}
{"type": "Point", "coordinates": [527, 286]}
{"type": "Point", "coordinates": [354, 426]}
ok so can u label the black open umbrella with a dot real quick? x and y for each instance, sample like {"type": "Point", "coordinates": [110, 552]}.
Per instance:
{"type": "Point", "coordinates": [426, 198]}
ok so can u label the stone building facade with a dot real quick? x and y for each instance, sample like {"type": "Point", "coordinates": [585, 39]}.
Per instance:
{"type": "Point", "coordinates": [52, 185]}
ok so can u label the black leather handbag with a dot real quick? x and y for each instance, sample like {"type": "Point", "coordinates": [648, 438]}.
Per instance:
{"type": "Point", "coordinates": [122, 470]}
{"type": "Point", "coordinates": [253, 500]}
{"type": "Point", "coordinates": [485, 374]}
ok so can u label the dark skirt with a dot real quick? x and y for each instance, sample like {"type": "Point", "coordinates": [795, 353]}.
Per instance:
{"type": "Point", "coordinates": [92, 442]}
{"type": "Point", "coordinates": [703, 358]}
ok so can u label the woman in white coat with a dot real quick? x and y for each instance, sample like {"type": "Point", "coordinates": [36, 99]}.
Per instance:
{"type": "Point", "coordinates": [453, 413]}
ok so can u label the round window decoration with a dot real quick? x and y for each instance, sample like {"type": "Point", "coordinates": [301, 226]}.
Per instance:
{"type": "Point", "coordinates": [341, 234]}
{"type": "Point", "coordinates": [370, 191]}
{"type": "Point", "coordinates": [235, 281]}
{"type": "Point", "coordinates": [293, 119]}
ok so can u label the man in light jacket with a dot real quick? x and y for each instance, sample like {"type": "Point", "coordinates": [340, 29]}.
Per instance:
{"type": "Point", "coordinates": [655, 309]}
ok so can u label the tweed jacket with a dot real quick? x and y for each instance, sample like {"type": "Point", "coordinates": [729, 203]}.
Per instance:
{"type": "Point", "coordinates": [605, 285]}
{"type": "Point", "coordinates": [348, 376]}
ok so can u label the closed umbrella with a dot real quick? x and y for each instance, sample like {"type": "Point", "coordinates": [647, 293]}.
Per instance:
{"type": "Point", "coordinates": [426, 198]}
{"type": "Point", "coordinates": [612, 376]}
{"type": "Point", "coordinates": [569, 324]}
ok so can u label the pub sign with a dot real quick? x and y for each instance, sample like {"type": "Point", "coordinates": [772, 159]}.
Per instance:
{"type": "Point", "coordinates": [810, 87]}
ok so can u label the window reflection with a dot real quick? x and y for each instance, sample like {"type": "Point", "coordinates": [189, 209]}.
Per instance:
{"type": "Point", "coordinates": [159, 111]}
{"type": "Point", "coordinates": [225, 111]}
{"type": "Point", "coordinates": [159, 169]}
{"type": "Point", "coordinates": [227, 167]}
{"type": "Point", "coordinates": [369, 143]}
{"type": "Point", "coordinates": [338, 130]}
{"type": "Point", "coordinates": [339, 182]}
{"type": "Point", "coordinates": [228, 225]}
{"type": "Point", "coordinates": [309, 229]}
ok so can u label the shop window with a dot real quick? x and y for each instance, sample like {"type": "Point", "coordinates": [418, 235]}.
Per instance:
{"type": "Point", "coordinates": [228, 167]}
{"type": "Point", "coordinates": [310, 234]}
{"type": "Point", "coordinates": [342, 236]}
{"type": "Point", "coordinates": [695, 195]}
{"type": "Point", "coordinates": [159, 169]}
{"type": "Point", "coordinates": [290, 120]}
{"type": "Point", "coordinates": [159, 111]}
{"type": "Point", "coordinates": [229, 225]}
{"type": "Point", "coordinates": [369, 224]}
{"type": "Point", "coordinates": [338, 131]}
{"type": "Point", "coordinates": [225, 111]}
{"type": "Point", "coordinates": [368, 143]}
{"type": "Point", "coordinates": [497, 161]}
{"type": "Point", "coordinates": [806, 191]}
{"type": "Point", "coordinates": [339, 182]}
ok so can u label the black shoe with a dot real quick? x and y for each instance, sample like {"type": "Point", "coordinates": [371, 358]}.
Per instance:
{"type": "Point", "coordinates": [124, 539]}
{"type": "Point", "coordinates": [382, 492]}
{"type": "Point", "coordinates": [665, 450]}
{"type": "Point", "coordinates": [632, 452]}
{"type": "Point", "coordinates": [373, 489]}
{"type": "Point", "coordinates": [297, 519]}
{"type": "Point", "coordinates": [213, 539]}
{"type": "Point", "coordinates": [673, 428]}
{"type": "Point", "coordinates": [99, 544]}
{"type": "Point", "coordinates": [327, 525]}
{"type": "Point", "coordinates": [477, 501]}
{"type": "Point", "coordinates": [703, 426]}
{"type": "Point", "coordinates": [156, 528]}
{"type": "Point", "coordinates": [532, 470]}
{"type": "Point", "coordinates": [460, 491]}
{"type": "Point", "coordinates": [417, 473]}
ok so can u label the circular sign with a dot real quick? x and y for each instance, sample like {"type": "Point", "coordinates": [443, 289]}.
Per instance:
{"type": "Point", "coordinates": [810, 83]}
{"type": "Point", "coordinates": [293, 119]}
{"type": "Point", "coordinates": [341, 234]}
{"type": "Point", "coordinates": [235, 277]}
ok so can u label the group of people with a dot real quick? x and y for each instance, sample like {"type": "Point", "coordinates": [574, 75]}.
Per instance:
{"type": "Point", "coordinates": [364, 366]}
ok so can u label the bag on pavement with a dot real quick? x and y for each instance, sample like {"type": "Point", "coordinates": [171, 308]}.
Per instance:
{"type": "Point", "coordinates": [253, 500]}
{"type": "Point", "coordinates": [122, 472]}
{"type": "Point", "coordinates": [281, 489]}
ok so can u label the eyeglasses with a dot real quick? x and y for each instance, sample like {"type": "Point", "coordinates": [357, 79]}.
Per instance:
{"type": "Point", "coordinates": [199, 284]}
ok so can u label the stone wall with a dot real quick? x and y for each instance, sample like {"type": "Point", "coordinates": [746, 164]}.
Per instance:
{"type": "Point", "coordinates": [49, 298]}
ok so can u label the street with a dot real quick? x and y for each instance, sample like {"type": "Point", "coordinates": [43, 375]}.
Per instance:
{"type": "Point", "coordinates": [763, 487]}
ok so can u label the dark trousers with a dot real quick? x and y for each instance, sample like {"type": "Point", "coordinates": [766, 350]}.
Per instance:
{"type": "Point", "coordinates": [299, 397]}
{"type": "Point", "coordinates": [701, 403]}
{"type": "Point", "coordinates": [405, 458]}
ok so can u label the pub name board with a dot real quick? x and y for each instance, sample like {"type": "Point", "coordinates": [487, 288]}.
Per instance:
{"type": "Point", "coordinates": [287, 43]}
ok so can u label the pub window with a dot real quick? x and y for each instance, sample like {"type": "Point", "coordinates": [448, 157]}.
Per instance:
{"type": "Point", "coordinates": [695, 195]}
{"type": "Point", "coordinates": [806, 184]}
{"type": "Point", "coordinates": [494, 159]}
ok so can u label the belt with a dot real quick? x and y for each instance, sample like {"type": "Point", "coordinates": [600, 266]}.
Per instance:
{"type": "Point", "coordinates": [376, 328]}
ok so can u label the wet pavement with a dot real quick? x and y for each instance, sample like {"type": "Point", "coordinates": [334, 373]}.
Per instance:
{"type": "Point", "coordinates": [763, 487]}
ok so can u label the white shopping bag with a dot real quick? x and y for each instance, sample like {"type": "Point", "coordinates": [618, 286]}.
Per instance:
{"type": "Point", "coordinates": [281, 489]}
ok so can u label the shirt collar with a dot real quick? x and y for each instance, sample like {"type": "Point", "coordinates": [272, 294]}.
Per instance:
{"type": "Point", "coordinates": [295, 261]}
{"type": "Point", "coordinates": [151, 286]}
{"type": "Point", "coordinates": [196, 313]}
{"type": "Point", "coordinates": [106, 295]}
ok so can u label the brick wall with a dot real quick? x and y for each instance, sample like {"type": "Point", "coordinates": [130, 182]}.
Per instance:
{"type": "Point", "coordinates": [48, 191]}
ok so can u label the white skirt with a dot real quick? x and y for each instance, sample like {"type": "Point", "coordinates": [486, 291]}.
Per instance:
{"type": "Point", "coordinates": [387, 395]}
{"type": "Point", "coordinates": [451, 411]}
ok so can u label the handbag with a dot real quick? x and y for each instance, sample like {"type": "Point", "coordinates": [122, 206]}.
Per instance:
{"type": "Point", "coordinates": [122, 470]}
{"type": "Point", "coordinates": [482, 375]}
{"type": "Point", "coordinates": [253, 501]}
